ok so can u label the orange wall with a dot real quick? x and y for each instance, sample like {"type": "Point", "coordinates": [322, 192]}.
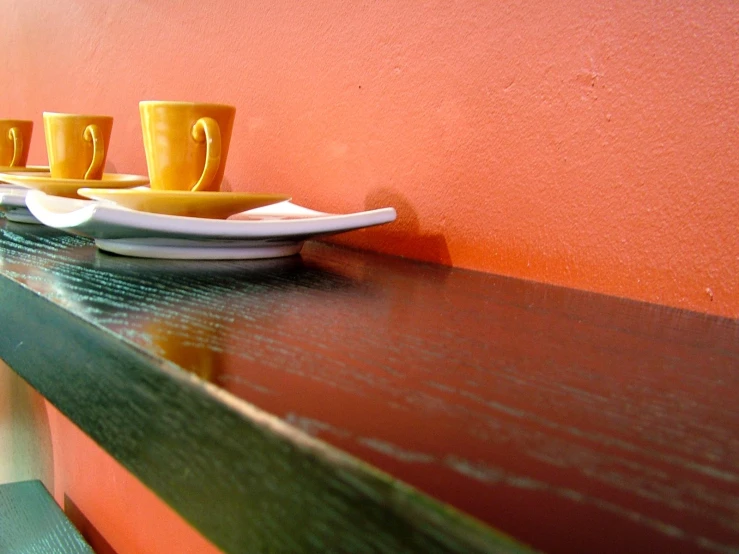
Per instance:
{"type": "Point", "coordinates": [586, 143]}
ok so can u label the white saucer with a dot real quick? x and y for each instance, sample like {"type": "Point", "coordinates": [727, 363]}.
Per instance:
{"type": "Point", "coordinates": [138, 266]}
{"type": "Point", "coordinates": [13, 203]}
{"type": "Point", "coordinates": [173, 249]}
{"type": "Point", "coordinates": [270, 232]}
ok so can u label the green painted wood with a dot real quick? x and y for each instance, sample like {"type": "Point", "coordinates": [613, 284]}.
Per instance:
{"type": "Point", "coordinates": [32, 523]}
{"type": "Point", "coordinates": [246, 480]}
{"type": "Point", "coordinates": [348, 402]}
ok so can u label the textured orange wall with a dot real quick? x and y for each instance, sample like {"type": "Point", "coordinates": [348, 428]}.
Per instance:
{"type": "Point", "coordinates": [591, 144]}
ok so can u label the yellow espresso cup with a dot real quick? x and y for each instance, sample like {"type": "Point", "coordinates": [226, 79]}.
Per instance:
{"type": "Point", "coordinates": [15, 141]}
{"type": "Point", "coordinates": [186, 144]}
{"type": "Point", "coordinates": [77, 145]}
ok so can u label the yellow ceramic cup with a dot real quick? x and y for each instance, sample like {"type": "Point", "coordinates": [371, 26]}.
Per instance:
{"type": "Point", "coordinates": [186, 144]}
{"type": "Point", "coordinates": [15, 141]}
{"type": "Point", "coordinates": [77, 145]}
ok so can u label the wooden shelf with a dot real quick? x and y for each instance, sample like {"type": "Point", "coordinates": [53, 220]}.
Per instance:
{"type": "Point", "coordinates": [344, 401]}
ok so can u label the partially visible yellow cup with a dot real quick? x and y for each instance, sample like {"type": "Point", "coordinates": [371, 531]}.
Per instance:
{"type": "Point", "coordinates": [186, 144]}
{"type": "Point", "coordinates": [15, 141]}
{"type": "Point", "coordinates": [77, 145]}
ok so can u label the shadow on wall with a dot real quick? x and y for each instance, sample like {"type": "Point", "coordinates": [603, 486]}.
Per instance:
{"type": "Point", "coordinates": [110, 167]}
{"type": "Point", "coordinates": [88, 531]}
{"type": "Point", "coordinates": [402, 237]}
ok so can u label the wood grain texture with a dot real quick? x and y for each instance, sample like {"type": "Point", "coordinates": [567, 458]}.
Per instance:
{"type": "Point", "coordinates": [245, 479]}
{"type": "Point", "coordinates": [572, 421]}
{"type": "Point", "coordinates": [32, 523]}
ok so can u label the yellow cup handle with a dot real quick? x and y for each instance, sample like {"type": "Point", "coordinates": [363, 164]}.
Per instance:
{"type": "Point", "coordinates": [206, 130]}
{"type": "Point", "coordinates": [15, 135]}
{"type": "Point", "coordinates": [92, 133]}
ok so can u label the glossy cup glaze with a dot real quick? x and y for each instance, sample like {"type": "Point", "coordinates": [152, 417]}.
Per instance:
{"type": "Point", "coordinates": [77, 145]}
{"type": "Point", "coordinates": [186, 144]}
{"type": "Point", "coordinates": [15, 141]}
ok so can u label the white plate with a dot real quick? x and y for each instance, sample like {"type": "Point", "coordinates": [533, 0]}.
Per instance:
{"type": "Point", "coordinates": [13, 203]}
{"type": "Point", "coordinates": [269, 232]}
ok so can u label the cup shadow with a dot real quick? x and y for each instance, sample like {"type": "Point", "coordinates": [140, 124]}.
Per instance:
{"type": "Point", "coordinates": [88, 531]}
{"type": "Point", "coordinates": [110, 167]}
{"type": "Point", "coordinates": [404, 236]}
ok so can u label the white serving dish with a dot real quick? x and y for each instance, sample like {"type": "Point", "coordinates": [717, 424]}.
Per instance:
{"type": "Point", "coordinates": [269, 232]}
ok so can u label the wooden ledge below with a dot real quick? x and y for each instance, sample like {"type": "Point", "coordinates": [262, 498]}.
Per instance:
{"type": "Point", "coordinates": [350, 402]}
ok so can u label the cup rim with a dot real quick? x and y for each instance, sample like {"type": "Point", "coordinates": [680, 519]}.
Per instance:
{"type": "Point", "coordinates": [75, 115]}
{"type": "Point", "coordinates": [185, 103]}
{"type": "Point", "coordinates": [14, 120]}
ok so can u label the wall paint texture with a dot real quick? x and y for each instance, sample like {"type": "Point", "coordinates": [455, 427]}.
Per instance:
{"type": "Point", "coordinates": [588, 144]}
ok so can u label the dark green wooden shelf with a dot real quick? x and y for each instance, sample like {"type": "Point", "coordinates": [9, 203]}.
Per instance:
{"type": "Point", "coordinates": [32, 523]}
{"type": "Point", "coordinates": [349, 402]}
